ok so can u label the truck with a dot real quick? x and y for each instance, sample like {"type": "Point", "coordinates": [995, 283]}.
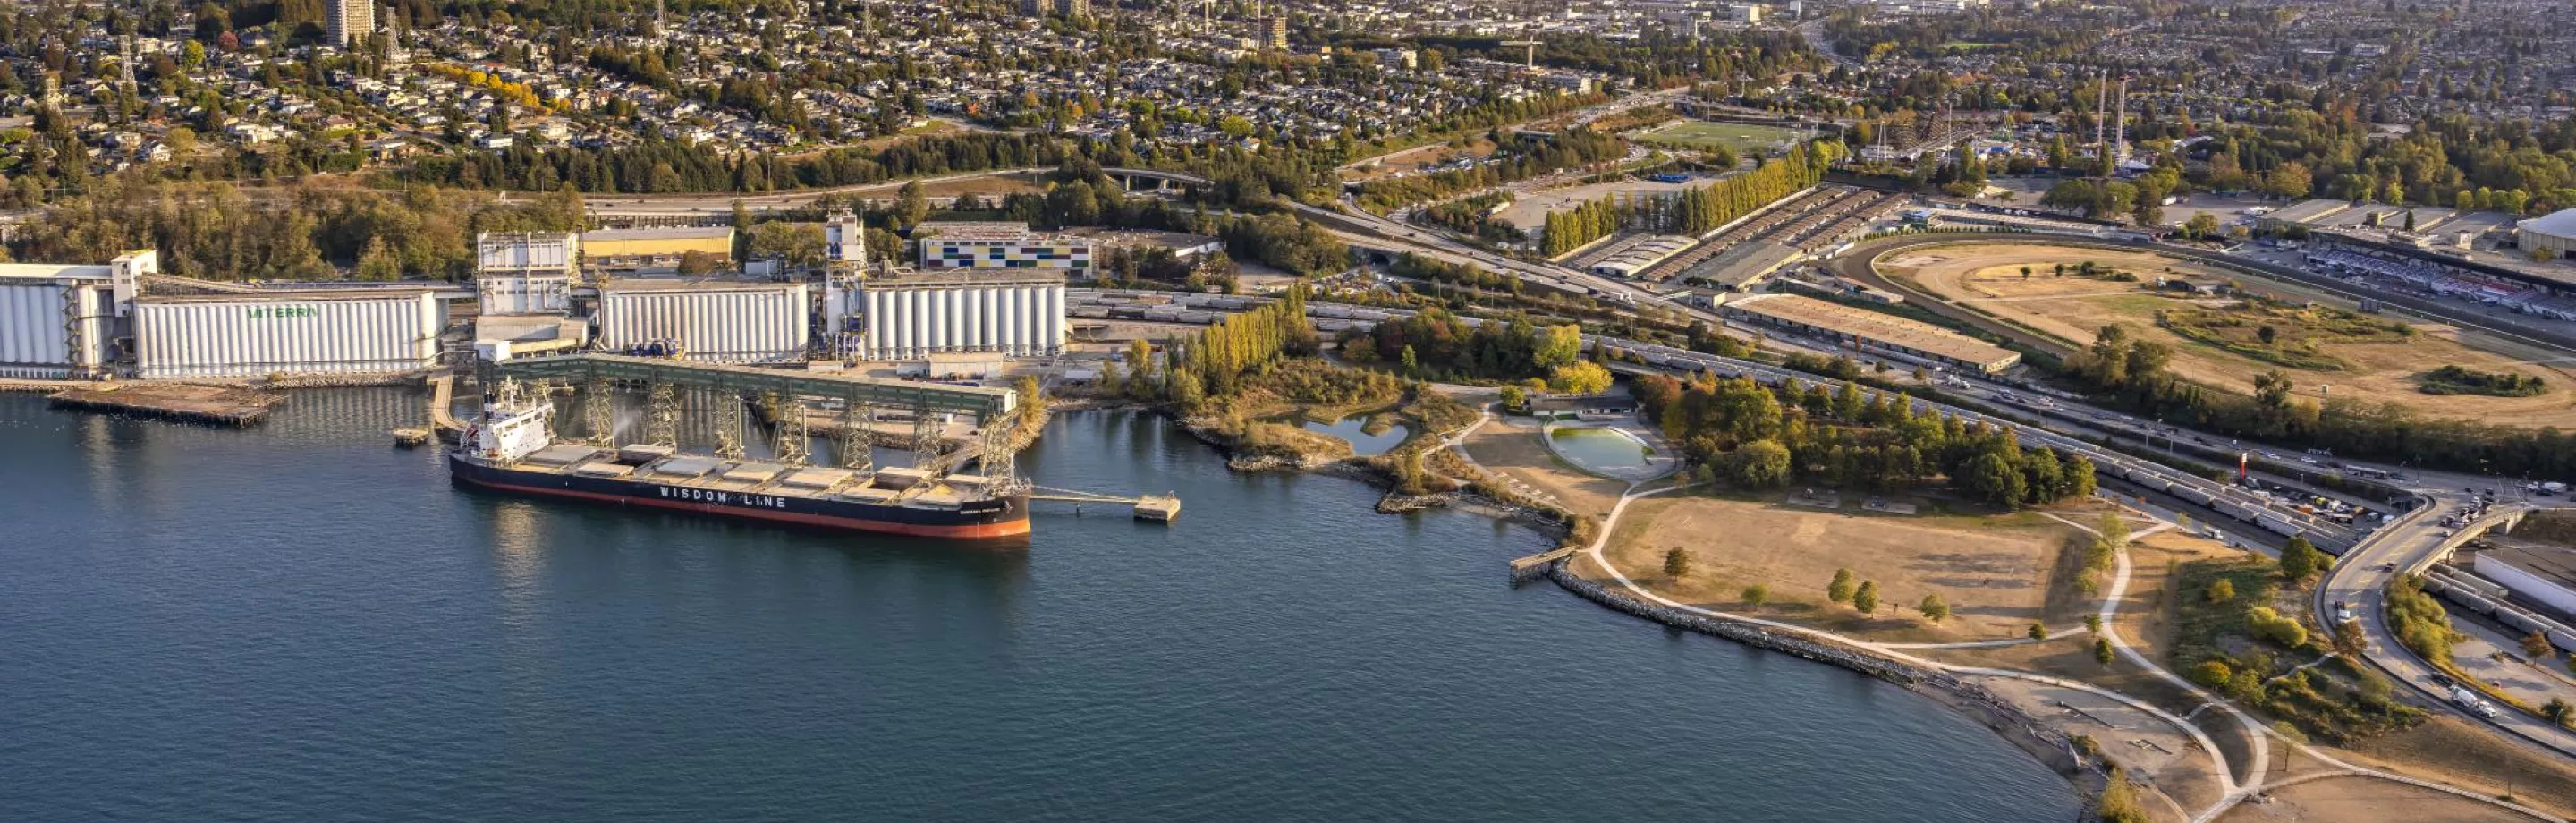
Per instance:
{"type": "Point", "coordinates": [2470, 702]}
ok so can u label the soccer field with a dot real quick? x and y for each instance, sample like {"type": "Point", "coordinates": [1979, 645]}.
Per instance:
{"type": "Point", "coordinates": [1700, 134]}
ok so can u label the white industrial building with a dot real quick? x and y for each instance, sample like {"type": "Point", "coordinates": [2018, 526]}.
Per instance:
{"type": "Point", "coordinates": [728, 321]}
{"type": "Point", "coordinates": [1014, 312]}
{"type": "Point", "coordinates": [59, 321]}
{"type": "Point", "coordinates": [2542, 574]}
{"type": "Point", "coordinates": [525, 272]}
{"type": "Point", "coordinates": [2555, 232]}
{"type": "Point", "coordinates": [370, 331]}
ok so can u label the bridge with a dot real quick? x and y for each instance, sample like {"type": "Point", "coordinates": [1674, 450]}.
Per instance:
{"type": "Point", "coordinates": [785, 397]}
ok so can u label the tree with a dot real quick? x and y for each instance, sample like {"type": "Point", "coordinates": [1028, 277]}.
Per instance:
{"type": "Point", "coordinates": [2221, 591]}
{"type": "Point", "coordinates": [1757, 594]}
{"type": "Point", "coordinates": [2537, 647]}
{"type": "Point", "coordinates": [1840, 591]}
{"type": "Point", "coordinates": [1579, 378]}
{"type": "Point", "coordinates": [378, 261]}
{"type": "Point", "coordinates": [1677, 562]}
{"type": "Point", "coordinates": [1557, 346]}
{"type": "Point", "coordinates": [2557, 710]}
{"type": "Point", "coordinates": [2102, 651]}
{"type": "Point", "coordinates": [2300, 559]}
{"type": "Point", "coordinates": [1761, 464]}
{"type": "Point", "coordinates": [2349, 639]}
{"type": "Point", "coordinates": [2202, 226]}
{"type": "Point", "coordinates": [2037, 631]}
{"type": "Point", "coordinates": [910, 205]}
{"type": "Point", "coordinates": [1865, 599]}
{"type": "Point", "coordinates": [2212, 673]}
{"type": "Point", "coordinates": [2267, 624]}
{"type": "Point", "coordinates": [1934, 608]}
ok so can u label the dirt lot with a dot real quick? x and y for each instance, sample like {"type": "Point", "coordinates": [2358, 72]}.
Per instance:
{"type": "Point", "coordinates": [2367, 800]}
{"type": "Point", "coordinates": [1998, 573]}
{"type": "Point", "coordinates": [1988, 278]}
{"type": "Point", "coordinates": [1511, 447]}
{"type": "Point", "coordinates": [2449, 750]}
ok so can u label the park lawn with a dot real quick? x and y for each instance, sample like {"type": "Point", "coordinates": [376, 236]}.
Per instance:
{"type": "Point", "coordinates": [1999, 573]}
{"type": "Point", "coordinates": [2376, 368]}
{"type": "Point", "coordinates": [1701, 134]}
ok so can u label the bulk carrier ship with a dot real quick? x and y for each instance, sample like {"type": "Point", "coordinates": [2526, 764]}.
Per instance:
{"type": "Point", "coordinates": [510, 448]}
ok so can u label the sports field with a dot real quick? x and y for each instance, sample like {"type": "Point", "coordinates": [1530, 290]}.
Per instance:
{"type": "Point", "coordinates": [2328, 353]}
{"type": "Point", "coordinates": [1701, 134]}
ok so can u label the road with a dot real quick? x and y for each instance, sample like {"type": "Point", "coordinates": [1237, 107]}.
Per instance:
{"type": "Point", "coordinates": [2409, 546]}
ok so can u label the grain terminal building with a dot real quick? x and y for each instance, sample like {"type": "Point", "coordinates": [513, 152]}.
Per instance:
{"type": "Point", "coordinates": [1871, 331]}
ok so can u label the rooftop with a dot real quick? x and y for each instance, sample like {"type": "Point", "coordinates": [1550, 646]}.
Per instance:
{"type": "Point", "coordinates": [1743, 264]}
{"type": "Point", "coordinates": [1873, 326]}
{"type": "Point", "coordinates": [2307, 211]}
{"type": "Point", "coordinates": [2555, 224]}
{"type": "Point", "coordinates": [49, 271]}
{"type": "Point", "coordinates": [694, 284]}
{"type": "Point", "coordinates": [964, 276]}
{"type": "Point", "coordinates": [2556, 564]}
{"type": "Point", "coordinates": [974, 230]}
{"type": "Point", "coordinates": [660, 233]}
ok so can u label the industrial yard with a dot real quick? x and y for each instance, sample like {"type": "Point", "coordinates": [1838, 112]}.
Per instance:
{"type": "Point", "coordinates": [1988, 278]}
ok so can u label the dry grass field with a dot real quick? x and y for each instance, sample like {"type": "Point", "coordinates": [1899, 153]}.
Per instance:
{"type": "Point", "coordinates": [1999, 573]}
{"type": "Point", "coordinates": [2374, 368]}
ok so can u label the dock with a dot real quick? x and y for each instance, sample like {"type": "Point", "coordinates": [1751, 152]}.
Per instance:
{"type": "Point", "coordinates": [1159, 508]}
{"type": "Point", "coordinates": [1533, 563]}
{"type": "Point", "coordinates": [189, 402]}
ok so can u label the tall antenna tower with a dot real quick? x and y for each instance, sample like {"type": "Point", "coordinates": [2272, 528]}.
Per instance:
{"type": "Point", "coordinates": [125, 62]}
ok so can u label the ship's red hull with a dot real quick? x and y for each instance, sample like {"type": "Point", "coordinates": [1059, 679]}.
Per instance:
{"type": "Point", "coordinates": [1005, 521]}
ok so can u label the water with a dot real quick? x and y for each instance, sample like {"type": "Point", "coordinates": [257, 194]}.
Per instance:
{"type": "Point", "coordinates": [1355, 430]}
{"type": "Point", "coordinates": [297, 622]}
{"type": "Point", "coordinates": [1600, 448]}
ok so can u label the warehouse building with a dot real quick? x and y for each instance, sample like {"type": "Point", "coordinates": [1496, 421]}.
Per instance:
{"type": "Point", "coordinates": [712, 319]}
{"type": "Point", "coordinates": [637, 251]}
{"type": "Point", "coordinates": [59, 321]}
{"type": "Point", "coordinates": [2555, 234]}
{"type": "Point", "coordinates": [1871, 331]}
{"type": "Point", "coordinates": [1641, 255]}
{"type": "Point", "coordinates": [2541, 573]}
{"type": "Point", "coordinates": [997, 245]}
{"type": "Point", "coordinates": [1014, 312]}
{"type": "Point", "coordinates": [371, 331]}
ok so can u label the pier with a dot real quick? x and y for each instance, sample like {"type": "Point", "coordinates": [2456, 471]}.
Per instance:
{"type": "Point", "coordinates": [1159, 508]}
{"type": "Point", "coordinates": [190, 402]}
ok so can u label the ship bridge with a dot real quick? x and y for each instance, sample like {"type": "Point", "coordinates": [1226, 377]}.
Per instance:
{"type": "Point", "coordinates": [855, 406]}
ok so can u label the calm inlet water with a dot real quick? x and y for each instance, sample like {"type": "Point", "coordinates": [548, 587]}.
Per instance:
{"type": "Point", "coordinates": [1600, 448]}
{"type": "Point", "coordinates": [297, 622]}
{"type": "Point", "coordinates": [1355, 430]}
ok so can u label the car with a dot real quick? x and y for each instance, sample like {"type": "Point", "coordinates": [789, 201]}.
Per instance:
{"type": "Point", "coordinates": [2342, 612]}
{"type": "Point", "coordinates": [2388, 567]}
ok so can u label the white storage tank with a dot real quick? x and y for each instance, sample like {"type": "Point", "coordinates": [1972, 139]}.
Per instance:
{"type": "Point", "coordinates": [1005, 311]}
{"type": "Point", "coordinates": [55, 321]}
{"type": "Point", "coordinates": [308, 332]}
{"type": "Point", "coordinates": [726, 321]}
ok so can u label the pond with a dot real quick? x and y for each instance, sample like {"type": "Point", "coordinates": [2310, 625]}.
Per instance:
{"type": "Point", "coordinates": [1355, 429]}
{"type": "Point", "coordinates": [1609, 449]}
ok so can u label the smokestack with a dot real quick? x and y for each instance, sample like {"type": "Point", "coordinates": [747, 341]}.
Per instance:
{"type": "Point", "coordinates": [2120, 127]}
{"type": "Point", "coordinates": [2101, 115]}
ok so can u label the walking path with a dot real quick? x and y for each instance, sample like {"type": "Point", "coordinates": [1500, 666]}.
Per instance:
{"type": "Point", "coordinates": [2259, 737]}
